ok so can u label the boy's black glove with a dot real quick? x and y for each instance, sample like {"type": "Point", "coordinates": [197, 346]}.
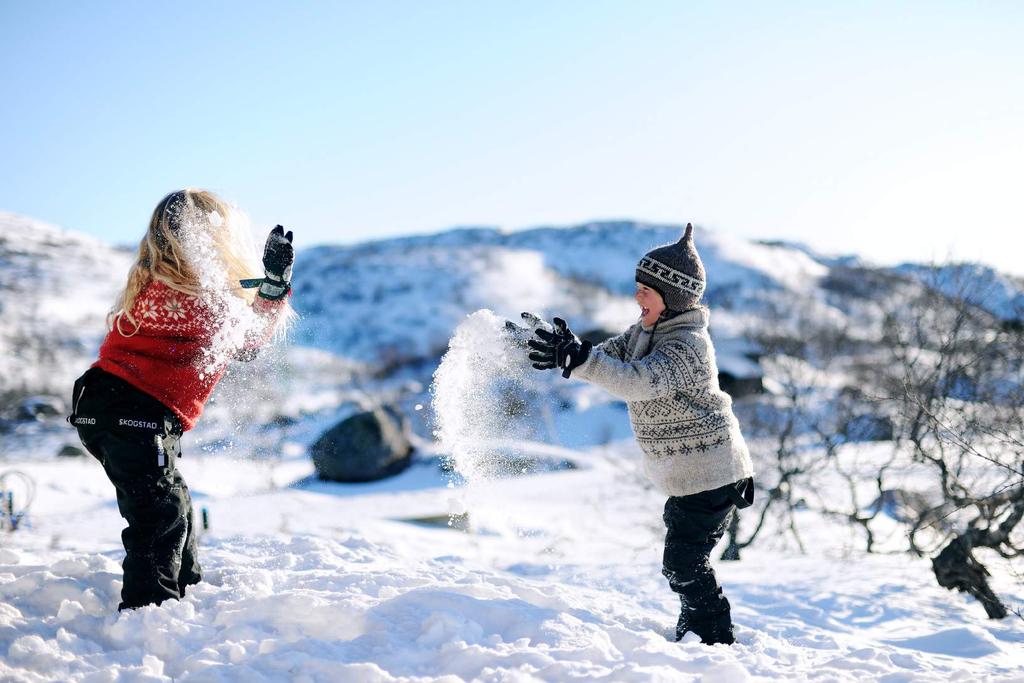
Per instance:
{"type": "Point", "coordinates": [278, 257]}
{"type": "Point", "coordinates": [558, 348]}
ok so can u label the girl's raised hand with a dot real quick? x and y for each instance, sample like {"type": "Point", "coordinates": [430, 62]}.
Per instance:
{"type": "Point", "coordinates": [278, 257]}
{"type": "Point", "coordinates": [278, 254]}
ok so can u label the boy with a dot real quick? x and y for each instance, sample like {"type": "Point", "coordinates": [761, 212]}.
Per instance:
{"type": "Point", "coordinates": [664, 368]}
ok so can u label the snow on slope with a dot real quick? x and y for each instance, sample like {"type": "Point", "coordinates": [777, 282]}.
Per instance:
{"type": "Point", "coordinates": [56, 287]}
{"type": "Point", "coordinates": [1002, 295]}
{"type": "Point", "coordinates": [381, 303]}
{"type": "Point", "coordinates": [401, 298]}
{"type": "Point", "coordinates": [397, 303]}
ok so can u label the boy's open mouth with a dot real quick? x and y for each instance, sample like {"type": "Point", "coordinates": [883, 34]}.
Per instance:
{"type": "Point", "coordinates": [644, 312]}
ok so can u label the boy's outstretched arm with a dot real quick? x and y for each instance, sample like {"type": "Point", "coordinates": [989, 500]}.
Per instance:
{"type": "Point", "coordinates": [615, 346]}
{"type": "Point", "coordinates": [669, 368]}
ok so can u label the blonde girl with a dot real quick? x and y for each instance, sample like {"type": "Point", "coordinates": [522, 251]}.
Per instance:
{"type": "Point", "coordinates": [189, 306]}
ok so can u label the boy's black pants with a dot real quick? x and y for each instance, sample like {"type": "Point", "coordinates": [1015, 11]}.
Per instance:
{"type": "Point", "coordinates": [694, 525]}
{"type": "Point", "coordinates": [159, 541]}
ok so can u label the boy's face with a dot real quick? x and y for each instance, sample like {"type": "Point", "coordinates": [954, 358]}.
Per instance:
{"type": "Point", "coordinates": [651, 304]}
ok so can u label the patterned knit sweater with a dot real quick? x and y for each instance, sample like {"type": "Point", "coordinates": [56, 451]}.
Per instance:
{"type": "Point", "coordinates": [681, 418]}
{"type": "Point", "coordinates": [169, 355]}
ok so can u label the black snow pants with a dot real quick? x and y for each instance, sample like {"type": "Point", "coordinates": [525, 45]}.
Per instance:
{"type": "Point", "coordinates": [695, 524]}
{"type": "Point", "coordinates": [136, 439]}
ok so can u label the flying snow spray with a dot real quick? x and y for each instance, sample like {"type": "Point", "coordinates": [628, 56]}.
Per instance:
{"type": "Point", "coordinates": [485, 400]}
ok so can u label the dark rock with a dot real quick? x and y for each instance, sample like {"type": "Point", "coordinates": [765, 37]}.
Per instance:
{"type": "Point", "coordinates": [39, 407]}
{"type": "Point", "coordinates": [739, 387]}
{"type": "Point", "coordinates": [71, 451]}
{"type": "Point", "coordinates": [364, 447]}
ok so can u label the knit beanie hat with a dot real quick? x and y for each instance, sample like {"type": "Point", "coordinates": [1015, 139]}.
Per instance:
{"type": "Point", "coordinates": [675, 271]}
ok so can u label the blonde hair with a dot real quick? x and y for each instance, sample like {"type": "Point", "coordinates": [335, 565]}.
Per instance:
{"type": "Point", "coordinates": [164, 257]}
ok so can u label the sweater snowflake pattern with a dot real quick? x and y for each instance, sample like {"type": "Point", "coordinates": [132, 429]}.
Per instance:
{"type": "Point", "coordinates": [168, 354]}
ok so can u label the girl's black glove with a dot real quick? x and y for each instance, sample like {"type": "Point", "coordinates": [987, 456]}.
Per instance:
{"type": "Point", "coordinates": [278, 257]}
{"type": "Point", "coordinates": [558, 348]}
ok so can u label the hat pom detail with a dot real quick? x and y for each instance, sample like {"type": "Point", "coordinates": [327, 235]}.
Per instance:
{"type": "Point", "coordinates": [687, 234]}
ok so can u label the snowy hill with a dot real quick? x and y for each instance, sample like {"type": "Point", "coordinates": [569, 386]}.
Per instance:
{"type": "Point", "coordinates": [56, 287]}
{"type": "Point", "coordinates": [381, 306]}
{"type": "Point", "coordinates": [387, 309]}
{"type": "Point", "coordinates": [1000, 294]}
{"type": "Point", "coordinates": [393, 301]}
{"type": "Point", "coordinates": [379, 302]}
{"type": "Point", "coordinates": [399, 299]}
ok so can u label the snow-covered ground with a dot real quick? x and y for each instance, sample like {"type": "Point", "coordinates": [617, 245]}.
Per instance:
{"type": "Point", "coordinates": [557, 579]}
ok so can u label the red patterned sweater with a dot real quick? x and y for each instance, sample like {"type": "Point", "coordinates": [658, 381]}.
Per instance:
{"type": "Point", "coordinates": [169, 355]}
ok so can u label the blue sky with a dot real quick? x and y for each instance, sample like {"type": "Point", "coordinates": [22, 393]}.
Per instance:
{"type": "Point", "coordinates": [888, 129]}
